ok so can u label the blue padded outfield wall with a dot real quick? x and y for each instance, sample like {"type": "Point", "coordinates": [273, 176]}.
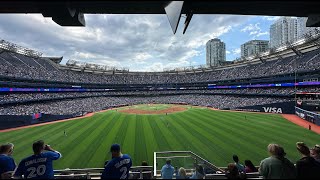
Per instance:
{"type": "Point", "coordinates": [12, 121]}
{"type": "Point", "coordinates": [308, 116]}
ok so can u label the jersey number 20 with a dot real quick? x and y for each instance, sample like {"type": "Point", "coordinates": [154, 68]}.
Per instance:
{"type": "Point", "coordinates": [39, 171]}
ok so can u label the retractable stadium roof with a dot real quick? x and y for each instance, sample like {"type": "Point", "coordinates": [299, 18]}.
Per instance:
{"type": "Point", "coordinates": [71, 13]}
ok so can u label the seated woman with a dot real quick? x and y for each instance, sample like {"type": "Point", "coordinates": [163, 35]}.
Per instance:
{"type": "Point", "coordinates": [199, 174]}
{"type": "Point", "coordinates": [249, 167]}
{"type": "Point", "coordinates": [232, 172]}
{"type": "Point", "coordinates": [182, 174]}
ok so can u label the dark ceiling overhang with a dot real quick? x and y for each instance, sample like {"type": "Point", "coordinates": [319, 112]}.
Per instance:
{"type": "Point", "coordinates": [244, 7]}
{"type": "Point", "coordinates": [71, 12]}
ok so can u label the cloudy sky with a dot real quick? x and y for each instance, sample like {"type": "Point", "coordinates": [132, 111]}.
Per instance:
{"type": "Point", "coordinates": [138, 42]}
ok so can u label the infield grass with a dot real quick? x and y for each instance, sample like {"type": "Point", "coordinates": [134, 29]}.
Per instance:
{"type": "Point", "coordinates": [152, 107]}
{"type": "Point", "coordinates": [214, 135]}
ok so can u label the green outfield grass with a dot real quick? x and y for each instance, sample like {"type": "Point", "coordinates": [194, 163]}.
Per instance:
{"type": "Point", "coordinates": [152, 106]}
{"type": "Point", "coordinates": [214, 135]}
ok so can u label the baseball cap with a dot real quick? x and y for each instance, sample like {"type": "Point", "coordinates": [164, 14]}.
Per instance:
{"type": "Point", "coordinates": [115, 148]}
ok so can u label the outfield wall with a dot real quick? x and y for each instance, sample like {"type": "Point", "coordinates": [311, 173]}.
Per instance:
{"type": "Point", "coordinates": [308, 116]}
{"type": "Point", "coordinates": [281, 108]}
{"type": "Point", "coordinates": [13, 121]}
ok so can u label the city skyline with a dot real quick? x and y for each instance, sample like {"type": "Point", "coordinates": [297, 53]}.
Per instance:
{"type": "Point", "coordinates": [215, 52]}
{"type": "Point", "coordinates": [283, 30]}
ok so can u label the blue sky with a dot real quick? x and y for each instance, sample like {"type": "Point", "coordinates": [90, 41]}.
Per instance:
{"type": "Point", "coordinates": [137, 42]}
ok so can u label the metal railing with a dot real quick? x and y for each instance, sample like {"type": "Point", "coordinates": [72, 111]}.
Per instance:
{"type": "Point", "coordinates": [136, 172]}
{"type": "Point", "coordinates": [141, 172]}
{"type": "Point", "coordinates": [183, 154]}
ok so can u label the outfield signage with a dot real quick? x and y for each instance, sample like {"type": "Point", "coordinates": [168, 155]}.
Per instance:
{"type": "Point", "coordinates": [272, 110]}
{"type": "Point", "coordinates": [279, 108]}
{"type": "Point", "coordinates": [6, 89]}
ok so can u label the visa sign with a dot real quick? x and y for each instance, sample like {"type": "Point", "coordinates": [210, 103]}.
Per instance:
{"type": "Point", "coordinates": [272, 110]}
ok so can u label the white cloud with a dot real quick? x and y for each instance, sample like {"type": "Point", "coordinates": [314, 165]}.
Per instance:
{"type": "Point", "coordinates": [236, 51]}
{"type": "Point", "coordinates": [158, 66]}
{"type": "Point", "coordinates": [228, 52]}
{"type": "Point", "coordinates": [251, 28]}
{"type": "Point", "coordinates": [141, 57]}
{"type": "Point", "coordinates": [254, 30]}
{"type": "Point", "coordinates": [119, 40]}
{"type": "Point", "coordinates": [270, 18]}
{"type": "Point", "coordinates": [262, 33]}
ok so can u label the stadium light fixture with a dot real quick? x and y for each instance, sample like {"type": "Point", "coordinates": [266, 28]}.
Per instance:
{"type": "Point", "coordinates": [299, 42]}
{"type": "Point", "coordinates": [281, 48]}
{"type": "Point", "coordinates": [250, 57]}
{"type": "Point", "coordinates": [265, 53]}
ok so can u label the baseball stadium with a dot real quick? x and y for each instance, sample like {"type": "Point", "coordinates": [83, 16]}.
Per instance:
{"type": "Point", "coordinates": [202, 121]}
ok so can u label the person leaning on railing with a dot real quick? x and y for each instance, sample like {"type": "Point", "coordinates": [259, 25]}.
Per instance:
{"type": "Point", "coordinates": [7, 164]}
{"type": "Point", "coordinates": [167, 170]}
{"type": "Point", "coordinates": [39, 165]}
{"type": "Point", "coordinates": [118, 167]}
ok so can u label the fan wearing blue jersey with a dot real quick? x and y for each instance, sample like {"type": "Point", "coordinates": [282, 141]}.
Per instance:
{"type": "Point", "coordinates": [119, 166]}
{"type": "Point", "coordinates": [7, 164]}
{"type": "Point", "coordinates": [39, 165]}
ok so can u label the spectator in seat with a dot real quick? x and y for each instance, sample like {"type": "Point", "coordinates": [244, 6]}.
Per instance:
{"type": "Point", "coordinates": [315, 153]}
{"type": "Point", "coordinates": [167, 170]}
{"type": "Point", "coordinates": [176, 171]}
{"type": "Point", "coordinates": [307, 167]}
{"type": "Point", "coordinates": [182, 174]}
{"type": "Point", "coordinates": [7, 164]}
{"type": "Point", "coordinates": [249, 167]}
{"type": "Point", "coordinates": [232, 171]}
{"type": "Point", "coordinates": [236, 162]}
{"type": "Point", "coordinates": [199, 174]}
{"type": "Point", "coordinates": [39, 165]}
{"type": "Point", "coordinates": [118, 167]}
{"type": "Point", "coordinates": [146, 175]}
{"type": "Point", "coordinates": [277, 166]}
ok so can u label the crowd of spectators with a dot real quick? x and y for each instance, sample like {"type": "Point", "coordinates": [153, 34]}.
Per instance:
{"type": "Point", "coordinates": [276, 166]}
{"type": "Point", "coordinates": [15, 65]}
{"type": "Point", "coordinates": [18, 97]}
{"type": "Point", "coordinates": [15, 97]}
{"type": "Point", "coordinates": [92, 104]}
